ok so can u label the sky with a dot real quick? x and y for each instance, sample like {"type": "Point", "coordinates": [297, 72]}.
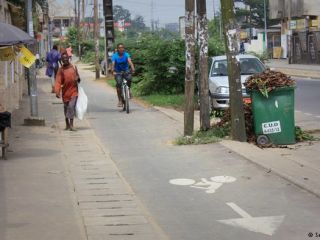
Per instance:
{"type": "Point", "coordinates": [166, 11]}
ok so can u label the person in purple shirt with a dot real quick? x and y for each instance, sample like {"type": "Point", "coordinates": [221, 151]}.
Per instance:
{"type": "Point", "coordinates": [53, 58]}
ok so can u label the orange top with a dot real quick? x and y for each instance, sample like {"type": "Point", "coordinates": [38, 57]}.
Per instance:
{"type": "Point", "coordinates": [66, 80]}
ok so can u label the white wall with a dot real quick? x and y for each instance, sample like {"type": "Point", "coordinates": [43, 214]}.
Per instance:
{"type": "Point", "coordinates": [256, 45]}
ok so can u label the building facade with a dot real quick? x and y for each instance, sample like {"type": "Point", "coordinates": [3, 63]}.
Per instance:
{"type": "Point", "coordinates": [12, 80]}
{"type": "Point", "coordinates": [300, 29]}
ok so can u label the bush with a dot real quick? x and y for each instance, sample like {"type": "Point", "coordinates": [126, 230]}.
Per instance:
{"type": "Point", "coordinates": [160, 64]}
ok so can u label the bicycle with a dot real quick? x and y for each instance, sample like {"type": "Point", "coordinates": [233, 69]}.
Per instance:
{"type": "Point", "coordinates": [125, 93]}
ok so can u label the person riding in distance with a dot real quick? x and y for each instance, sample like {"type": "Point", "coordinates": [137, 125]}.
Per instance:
{"type": "Point", "coordinates": [67, 80]}
{"type": "Point", "coordinates": [120, 68]}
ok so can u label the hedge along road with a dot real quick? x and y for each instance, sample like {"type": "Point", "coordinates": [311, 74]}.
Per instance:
{"type": "Point", "coordinates": [197, 192]}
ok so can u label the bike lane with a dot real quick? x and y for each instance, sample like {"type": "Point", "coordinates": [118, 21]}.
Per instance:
{"type": "Point", "coordinates": [185, 188]}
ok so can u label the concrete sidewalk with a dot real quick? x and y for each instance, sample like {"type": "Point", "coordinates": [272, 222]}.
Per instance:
{"type": "Point", "coordinates": [60, 184]}
{"type": "Point", "coordinates": [296, 70]}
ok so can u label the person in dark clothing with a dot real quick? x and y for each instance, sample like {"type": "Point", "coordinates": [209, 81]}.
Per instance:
{"type": "Point", "coordinates": [53, 58]}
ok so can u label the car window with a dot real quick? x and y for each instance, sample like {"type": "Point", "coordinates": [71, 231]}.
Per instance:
{"type": "Point", "coordinates": [219, 68]}
{"type": "Point", "coordinates": [248, 66]}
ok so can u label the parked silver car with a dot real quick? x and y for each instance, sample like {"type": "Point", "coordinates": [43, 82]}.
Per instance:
{"type": "Point", "coordinates": [218, 78]}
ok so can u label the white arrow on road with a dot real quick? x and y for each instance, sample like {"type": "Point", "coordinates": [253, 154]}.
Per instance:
{"type": "Point", "coordinates": [264, 225]}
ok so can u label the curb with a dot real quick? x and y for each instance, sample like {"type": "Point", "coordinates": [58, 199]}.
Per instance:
{"type": "Point", "coordinates": [303, 176]}
{"type": "Point", "coordinates": [299, 73]}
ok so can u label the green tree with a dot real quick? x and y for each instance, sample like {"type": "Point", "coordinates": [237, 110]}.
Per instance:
{"type": "Point", "coordinates": [138, 23]}
{"type": "Point", "coordinates": [253, 15]}
{"type": "Point", "coordinates": [216, 44]}
{"type": "Point", "coordinates": [121, 13]}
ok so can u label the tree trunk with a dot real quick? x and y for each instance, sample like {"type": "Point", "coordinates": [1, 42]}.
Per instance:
{"type": "Point", "coordinates": [203, 65]}
{"type": "Point", "coordinates": [231, 34]}
{"type": "Point", "coordinates": [190, 68]}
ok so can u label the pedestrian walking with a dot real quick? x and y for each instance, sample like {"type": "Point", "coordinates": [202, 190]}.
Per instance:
{"type": "Point", "coordinates": [53, 58]}
{"type": "Point", "coordinates": [67, 82]}
{"type": "Point", "coordinates": [121, 61]}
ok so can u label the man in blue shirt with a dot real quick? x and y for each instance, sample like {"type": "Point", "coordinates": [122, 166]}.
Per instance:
{"type": "Point", "coordinates": [53, 58]}
{"type": "Point", "coordinates": [121, 61]}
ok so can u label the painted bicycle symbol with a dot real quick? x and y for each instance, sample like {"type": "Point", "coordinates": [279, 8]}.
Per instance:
{"type": "Point", "coordinates": [210, 186]}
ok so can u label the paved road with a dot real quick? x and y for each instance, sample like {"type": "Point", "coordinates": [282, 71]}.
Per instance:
{"type": "Point", "coordinates": [140, 145]}
{"type": "Point", "coordinates": [308, 96]}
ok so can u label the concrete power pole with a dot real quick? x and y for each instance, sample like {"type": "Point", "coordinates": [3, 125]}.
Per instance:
{"type": "Point", "coordinates": [96, 37]}
{"type": "Point", "coordinates": [109, 31]}
{"type": "Point", "coordinates": [190, 68]}
{"type": "Point", "coordinates": [203, 64]}
{"type": "Point", "coordinates": [238, 131]}
{"type": "Point", "coordinates": [31, 71]}
{"type": "Point", "coordinates": [78, 30]}
{"type": "Point", "coordinates": [290, 48]}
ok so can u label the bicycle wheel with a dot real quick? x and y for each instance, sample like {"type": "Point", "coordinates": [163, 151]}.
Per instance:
{"type": "Point", "coordinates": [126, 93]}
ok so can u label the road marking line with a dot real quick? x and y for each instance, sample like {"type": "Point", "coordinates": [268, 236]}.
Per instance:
{"type": "Point", "coordinates": [238, 210]}
{"type": "Point", "coordinates": [263, 225]}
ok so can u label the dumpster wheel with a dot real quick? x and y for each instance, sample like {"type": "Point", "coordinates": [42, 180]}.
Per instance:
{"type": "Point", "coordinates": [263, 140]}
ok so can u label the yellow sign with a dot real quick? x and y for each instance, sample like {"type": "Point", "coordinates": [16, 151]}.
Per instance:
{"type": "Point", "coordinates": [243, 35]}
{"type": "Point", "coordinates": [315, 23]}
{"type": "Point", "coordinates": [26, 57]}
{"type": "Point", "coordinates": [277, 52]}
{"type": "Point", "coordinates": [301, 24]}
{"type": "Point", "coordinates": [7, 54]}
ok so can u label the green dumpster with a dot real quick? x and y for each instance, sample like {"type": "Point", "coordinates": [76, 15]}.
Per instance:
{"type": "Point", "coordinates": [273, 116]}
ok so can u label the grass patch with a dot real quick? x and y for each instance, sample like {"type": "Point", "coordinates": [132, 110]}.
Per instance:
{"type": "Point", "coordinates": [175, 101]}
{"type": "Point", "coordinates": [162, 100]}
{"type": "Point", "coordinates": [111, 82]}
{"type": "Point", "coordinates": [215, 134]}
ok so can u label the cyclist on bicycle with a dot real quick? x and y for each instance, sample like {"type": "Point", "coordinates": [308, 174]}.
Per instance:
{"type": "Point", "coordinates": [120, 68]}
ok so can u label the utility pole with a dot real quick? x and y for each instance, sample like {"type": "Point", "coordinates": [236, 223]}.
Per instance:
{"type": "Point", "coordinates": [31, 71]}
{"type": "Point", "coordinates": [109, 31]}
{"type": "Point", "coordinates": [203, 64]}
{"type": "Point", "coordinates": [96, 37]}
{"type": "Point", "coordinates": [190, 68]}
{"type": "Point", "coordinates": [265, 26]}
{"type": "Point", "coordinates": [78, 30]}
{"type": "Point", "coordinates": [290, 48]}
{"type": "Point", "coordinates": [231, 33]}
{"type": "Point", "coordinates": [83, 10]}
{"type": "Point", "coordinates": [152, 16]}
{"type": "Point", "coordinates": [75, 11]}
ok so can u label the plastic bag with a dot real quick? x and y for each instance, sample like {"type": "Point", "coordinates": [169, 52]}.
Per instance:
{"type": "Point", "coordinates": [82, 103]}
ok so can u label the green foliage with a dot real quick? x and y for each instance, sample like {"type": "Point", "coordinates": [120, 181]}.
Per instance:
{"type": "Point", "coordinates": [160, 64]}
{"type": "Point", "coordinates": [215, 43]}
{"type": "Point", "coordinates": [262, 56]}
{"type": "Point", "coordinates": [175, 101]}
{"type": "Point", "coordinates": [121, 13]}
{"type": "Point", "coordinates": [72, 36]}
{"type": "Point", "coordinates": [216, 46]}
{"type": "Point", "coordinates": [255, 12]}
{"type": "Point", "coordinates": [303, 135]}
{"type": "Point", "coordinates": [214, 134]}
